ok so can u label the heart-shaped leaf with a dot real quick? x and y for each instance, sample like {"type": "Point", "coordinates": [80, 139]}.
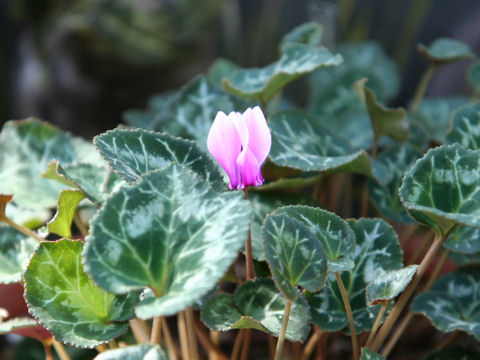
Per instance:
{"type": "Point", "coordinates": [170, 232]}
{"type": "Point", "coordinates": [260, 300]}
{"type": "Point", "coordinates": [61, 224]}
{"type": "Point", "coordinates": [67, 302]}
{"type": "Point", "coordinates": [309, 33]}
{"type": "Point", "coordinates": [15, 252]}
{"type": "Point", "coordinates": [442, 189]}
{"type": "Point", "coordinates": [466, 127]}
{"type": "Point", "coordinates": [434, 116]}
{"type": "Point", "coordinates": [333, 91]}
{"type": "Point", "coordinates": [332, 232]}
{"type": "Point", "coordinates": [136, 352]}
{"type": "Point", "coordinates": [389, 285]}
{"type": "Point", "coordinates": [132, 153]}
{"type": "Point", "coordinates": [390, 122]}
{"type": "Point", "coordinates": [221, 314]}
{"type": "Point", "coordinates": [197, 106]}
{"type": "Point", "coordinates": [300, 142]}
{"type": "Point", "coordinates": [452, 302]}
{"type": "Point", "coordinates": [27, 147]}
{"type": "Point", "coordinates": [261, 84]}
{"type": "Point", "coordinates": [220, 69]}
{"type": "Point", "coordinates": [368, 354]}
{"type": "Point", "coordinates": [294, 255]}
{"type": "Point", "coordinates": [263, 203]}
{"type": "Point", "coordinates": [464, 239]}
{"type": "Point", "coordinates": [445, 50]}
{"type": "Point", "coordinates": [377, 252]}
{"type": "Point", "coordinates": [94, 181]}
{"type": "Point", "coordinates": [462, 259]}
{"type": "Point", "coordinates": [397, 160]}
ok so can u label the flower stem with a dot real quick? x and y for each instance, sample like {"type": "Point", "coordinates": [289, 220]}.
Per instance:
{"type": "Point", "coordinates": [247, 340]}
{"type": "Point", "coordinates": [407, 293]}
{"type": "Point", "coordinates": [60, 349]}
{"type": "Point", "coordinates": [422, 87]}
{"type": "Point", "coordinates": [139, 331]}
{"type": "Point", "coordinates": [207, 343]}
{"type": "Point", "coordinates": [48, 351]}
{"type": "Point", "coordinates": [156, 334]}
{"type": "Point", "coordinates": [182, 332]}
{"type": "Point", "coordinates": [377, 323]}
{"type": "Point", "coordinates": [250, 269]}
{"type": "Point", "coordinates": [24, 230]}
{"type": "Point", "coordinates": [310, 346]}
{"type": "Point", "coordinates": [237, 344]}
{"type": "Point", "coordinates": [172, 351]}
{"type": "Point", "coordinates": [403, 325]}
{"type": "Point", "coordinates": [348, 309]}
{"type": "Point", "coordinates": [192, 338]}
{"type": "Point", "coordinates": [283, 331]}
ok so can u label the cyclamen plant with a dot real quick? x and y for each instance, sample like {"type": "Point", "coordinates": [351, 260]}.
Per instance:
{"type": "Point", "coordinates": [143, 257]}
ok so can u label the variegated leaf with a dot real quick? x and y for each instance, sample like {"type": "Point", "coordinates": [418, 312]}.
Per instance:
{"type": "Point", "coordinates": [67, 302]}
{"type": "Point", "coordinates": [443, 188]}
{"type": "Point", "coordinates": [377, 252]}
{"type": "Point", "coordinates": [170, 232]}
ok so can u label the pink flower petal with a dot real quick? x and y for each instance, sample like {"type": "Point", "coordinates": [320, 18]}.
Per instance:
{"type": "Point", "coordinates": [260, 139]}
{"type": "Point", "coordinates": [225, 145]}
{"type": "Point", "coordinates": [249, 169]}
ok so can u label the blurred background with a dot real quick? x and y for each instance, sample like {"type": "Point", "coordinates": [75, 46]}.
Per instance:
{"type": "Point", "coordinates": [81, 63]}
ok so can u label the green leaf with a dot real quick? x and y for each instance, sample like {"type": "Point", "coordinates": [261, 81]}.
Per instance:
{"type": "Point", "coordinates": [261, 300]}
{"type": "Point", "coordinates": [294, 255]}
{"type": "Point", "coordinates": [464, 239]}
{"type": "Point", "coordinates": [27, 147]}
{"type": "Point", "coordinates": [368, 354]}
{"type": "Point", "coordinates": [389, 285]}
{"type": "Point", "coordinates": [454, 352]}
{"type": "Point", "coordinates": [66, 301]}
{"type": "Point", "coordinates": [466, 127]}
{"type": "Point", "coordinates": [15, 252]}
{"type": "Point", "coordinates": [221, 314]}
{"type": "Point", "coordinates": [434, 116]}
{"type": "Point", "coordinates": [136, 352]}
{"type": "Point", "coordinates": [462, 259]}
{"type": "Point", "coordinates": [261, 84]}
{"type": "Point", "coordinates": [194, 232]}
{"type": "Point", "coordinates": [220, 69]}
{"type": "Point", "coordinates": [474, 76]}
{"type": "Point", "coordinates": [452, 303]}
{"type": "Point", "coordinates": [390, 122]}
{"type": "Point", "coordinates": [377, 252]}
{"type": "Point", "coordinates": [132, 153]}
{"type": "Point", "coordinates": [297, 181]}
{"type": "Point", "coordinates": [88, 178]}
{"type": "Point", "coordinates": [197, 107]}
{"type": "Point", "coordinates": [445, 50]}
{"type": "Point", "coordinates": [442, 189]}
{"type": "Point", "coordinates": [309, 33]}
{"type": "Point", "coordinates": [262, 204]}
{"type": "Point", "coordinates": [397, 160]}
{"type": "Point", "coordinates": [61, 224]}
{"type": "Point", "coordinates": [333, 233]}
{"type": "Point", "coordinates": [333, 92]}
{"type": "Point", "coordinates": [300, 142]}
{"type": "Point", "coordinates": [160, 112]}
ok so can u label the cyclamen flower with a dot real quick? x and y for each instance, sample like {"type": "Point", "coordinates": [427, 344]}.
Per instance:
{"type": "Point", "coordinates": [240, 143]}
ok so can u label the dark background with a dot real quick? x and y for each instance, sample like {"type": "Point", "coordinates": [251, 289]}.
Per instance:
{"type": "Point", "coordinates": [81, 63]}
